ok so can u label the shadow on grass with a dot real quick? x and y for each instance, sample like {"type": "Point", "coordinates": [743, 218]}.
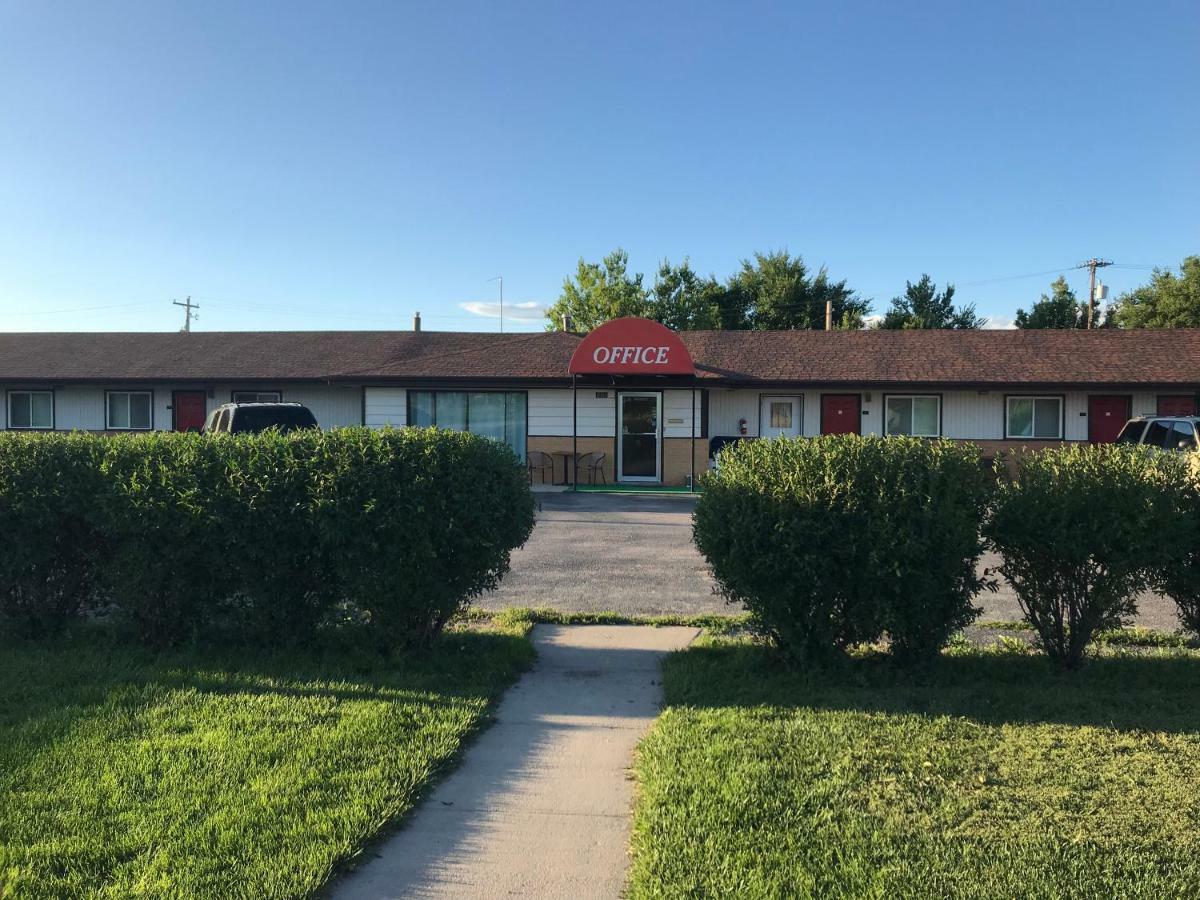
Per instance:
{"type": "Point", "coordinates": [58, 682]}
{"type": "Point", "coordinates": [1154, 692]}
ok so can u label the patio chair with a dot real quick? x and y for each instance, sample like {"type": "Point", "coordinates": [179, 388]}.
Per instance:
{"type": "Point", "coordinates": [595, 466]}
{"type": "Point", "coordinates": [537, 461]}
{"type": "Point", "coordinates": [582, 462]}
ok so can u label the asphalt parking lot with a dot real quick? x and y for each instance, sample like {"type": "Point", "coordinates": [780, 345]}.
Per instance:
{"type": "Point", "coordinates": [626, 553]}
{"type": "Point", "coordinates": [633, 554]}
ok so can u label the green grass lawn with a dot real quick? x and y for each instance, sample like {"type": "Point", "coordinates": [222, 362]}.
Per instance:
{"type": "Point", "coordinates": [221, 774]}
{"type": "Point", "coordinates": [991, 776]}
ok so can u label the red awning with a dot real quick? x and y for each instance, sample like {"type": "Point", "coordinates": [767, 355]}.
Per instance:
{"type": "Point", "coordinates": [631, 346]}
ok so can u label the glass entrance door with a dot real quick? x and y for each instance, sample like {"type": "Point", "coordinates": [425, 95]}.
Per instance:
{"type": "Point", "coordinates": [637, 448]}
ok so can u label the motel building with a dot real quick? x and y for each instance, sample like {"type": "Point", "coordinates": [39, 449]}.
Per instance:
{"type": "Point", "coordinates": [646, 403]}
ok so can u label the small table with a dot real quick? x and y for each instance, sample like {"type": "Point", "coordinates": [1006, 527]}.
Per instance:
{"type": "Point", "coordinates": [566, 458]}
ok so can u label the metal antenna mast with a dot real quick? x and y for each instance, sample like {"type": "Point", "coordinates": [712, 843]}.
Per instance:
{"type": "Point", "coordinates": [500, 278]}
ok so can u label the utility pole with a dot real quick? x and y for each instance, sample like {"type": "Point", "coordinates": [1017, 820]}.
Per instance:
{"type": "Point", "coordinates": [500, 278]}
{"type": "Point", "coordinates": [187, 316]}
{"type": "Point", "coordinates": [1092, 265]}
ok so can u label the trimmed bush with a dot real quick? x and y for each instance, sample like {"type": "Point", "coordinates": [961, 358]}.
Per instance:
{"type": "Point", "coordinates": [416, 522]}
{"type": "Point", "coordinates": [53, 551]}
{"type": "Point", "coordinates": [283, 580]}
{"type": "Point", "coordinates": [172, 524]}
{"type": "Point", "coordinates": [841, 539]}
{"type": "Point", "coordinates": [1181, 574]}
{"type": "Point", "coordinates": [1083, 530]}
{"type": "Point", "coordinates": [267, 538]}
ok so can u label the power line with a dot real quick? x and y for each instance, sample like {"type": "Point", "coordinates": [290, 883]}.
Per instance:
{"type": "Point", "coordinates": [60, 312]}
{"type": "Point", "coordinates": [1012, 277]}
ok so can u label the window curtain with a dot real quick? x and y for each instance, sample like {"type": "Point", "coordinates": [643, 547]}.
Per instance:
{"type": "Point", "coordinates": [498, 416]}
{"type": "Point", "coordinates": [452, 410]}
{"type": "Point", "coordinates": [421, 409]}
{"type": "Point", "coordinates": [487, 415]}
{"type": "Point", "coordinates": [514, 423]}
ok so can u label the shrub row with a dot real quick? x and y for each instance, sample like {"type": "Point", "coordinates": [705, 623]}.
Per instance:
{"type": "Point", "coordinates": [842, 540]}
{"type": "Point", "coordinates": [836, 540]}
{"type": "Point", "coordinates": [268, 537]}
{"type": "Point", "coordinates": [1082, 530]}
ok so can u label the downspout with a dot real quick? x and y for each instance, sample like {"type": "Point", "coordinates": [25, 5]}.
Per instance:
{"type": "Point", "coordinates": [574, 435]}
{"type": "Point", "coordinates": [692, 460]}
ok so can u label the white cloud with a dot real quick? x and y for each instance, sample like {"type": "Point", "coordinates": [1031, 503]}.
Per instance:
{"type": "Point", "coordinates": [527, 311]}
{"type": "Point", "coordinates": [1000, 323]}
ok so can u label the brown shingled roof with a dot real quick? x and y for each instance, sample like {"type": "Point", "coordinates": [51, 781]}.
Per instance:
{"type": "Point", "coordinates": [1035, 356]}
{"type": "Point", "coordinates": [945, 358]}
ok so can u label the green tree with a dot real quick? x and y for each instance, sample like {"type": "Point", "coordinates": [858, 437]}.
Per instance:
{"type": "Point", "coordinates": [1060, 309]}
{"type": "Point", "coordinates": [922, 306]}
{"type": "Point", "coordinates": [682, 300]}
{"type": "Point", "coordinates": [1168, 301]}
{"type": "Point", "coordinates": [775, 291]}
{"type": "Point", "coordinates": [599, 292]}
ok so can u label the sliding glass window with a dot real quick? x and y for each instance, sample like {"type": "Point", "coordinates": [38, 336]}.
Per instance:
{"type": "Point", "coordinates": [919, 416]}
{"type": "Point", "coordinates": [494, 414]}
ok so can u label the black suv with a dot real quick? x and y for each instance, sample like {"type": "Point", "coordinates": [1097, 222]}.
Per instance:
{"type": "Point", "coordinates": [243, 418]}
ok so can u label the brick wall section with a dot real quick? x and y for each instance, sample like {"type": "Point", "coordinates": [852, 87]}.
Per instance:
{"type": "Point", "coordinates": [675, 460]}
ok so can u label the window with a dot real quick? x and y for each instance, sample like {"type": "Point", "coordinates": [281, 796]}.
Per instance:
{"type": "Point", "coordinates": [31, 409]}
{"type": "Point", "coordinates": [128, 411]}
{"type": "Point", "coordinates": [1132, 432]}
{"type": "Point", "coordinates": [1157, 433]}
{"type": "Point", "coordinates": [1034, 417]}
{"type": "Point", "coordinates": [257, 396]}
{"type": "Point", "coordinates": [916, 416]}
{"type": "Point", "coordinates": [494, 414]}
{"type": "Point", "coordinates": [781, 413]}
{"type": "Point", "coordinates": [260, 418]}
{"type": "Point", "coordinates": [1183, 437]}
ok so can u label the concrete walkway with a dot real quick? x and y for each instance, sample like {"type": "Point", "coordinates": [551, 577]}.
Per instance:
{"type": "Point", "coordinates": [540, 805]}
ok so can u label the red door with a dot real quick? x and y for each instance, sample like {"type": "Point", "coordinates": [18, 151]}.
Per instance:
{"type": "Point", "coordinates": [841, 414]}
{"type": "Point", "coordinates": [1107, 415]}
{"type": "Point", "coordinates": [1176, 405]}
{"type": "Point", "coordinates": [189, 409]}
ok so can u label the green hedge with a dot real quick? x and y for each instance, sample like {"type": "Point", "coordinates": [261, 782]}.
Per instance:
{"type": "Point", "coordinates": [263, 537]}
{"type": "Point", "coordinates": [1180, 577]}
{"type": "Point", "coordinates": [1082, 530]}
{"type": "Point", "coordinates": [52, 548]}
{"type": "Point", "coordinates": [840, 540]}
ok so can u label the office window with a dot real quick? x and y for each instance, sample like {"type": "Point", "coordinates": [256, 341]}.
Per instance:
{"type": "Point", "coordinates": [914, 415]}
{"type": "Point", "coordinates": [494, 414]}
{"type": "Point", "coordinates": [1034, 417]}
{"type": "Point", "coordinates": [128, 411]}
{"type": "Point", "coordinates": [31, 409]}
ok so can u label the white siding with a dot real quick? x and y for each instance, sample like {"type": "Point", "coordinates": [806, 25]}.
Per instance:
{"type": "Point", "coordinates": [971, 415]}
{"type": "Point", "coordinates": [677, 420]}
{"type": "Point", "coordinates": [550, 412]}
{"type": "Point", "coordinates": [967, 415]}
{"type": "Point", "coordinates": [726, 407]}
{"type": "Point", "coordinates": [334, 406]}
{"type": "Point", "coordinates": [82, 406]}
{"type": "Point", "coordinates": [385, 406]}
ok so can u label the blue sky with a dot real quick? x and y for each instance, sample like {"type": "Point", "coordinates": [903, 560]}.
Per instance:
{"type": "Point", "coordinates": [340, 165]}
